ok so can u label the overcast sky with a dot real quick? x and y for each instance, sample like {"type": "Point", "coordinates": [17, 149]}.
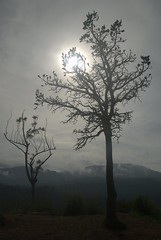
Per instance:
{"type": "Point", "coordinates": [34, 33]}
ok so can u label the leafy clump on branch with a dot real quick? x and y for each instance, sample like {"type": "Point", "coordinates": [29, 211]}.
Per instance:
{"type": "Point", "coordinates": [98, 92]}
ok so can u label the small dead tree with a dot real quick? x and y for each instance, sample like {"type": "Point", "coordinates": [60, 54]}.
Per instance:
{"type": "Point", "coordinates": [98, 92]}
{"type": "Point", "coordinates": [33, 143]}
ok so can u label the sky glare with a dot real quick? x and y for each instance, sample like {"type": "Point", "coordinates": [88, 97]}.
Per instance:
{"type": "Point", "coordinates": [34, 33]}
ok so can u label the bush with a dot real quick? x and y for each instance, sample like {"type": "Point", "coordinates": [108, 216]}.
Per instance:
{"type": "Point", "coordinates": [77, 204]}
{"type": "Point", "coordinates": [143, 206]}
{"type": "Point", "coordinates": [93, 207]}
{"type": "Point", "coordinates": [74, 206]}
{"type": "Point", "coordinates": [45, 207]}
{"type": "Point", "coordinates": [124, 206]}
{"type": "Point", "coordinates": [2, 220]}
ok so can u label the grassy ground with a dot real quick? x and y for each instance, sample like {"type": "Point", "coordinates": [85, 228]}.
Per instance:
{"type": "Point", "coordinates": [46, 227]}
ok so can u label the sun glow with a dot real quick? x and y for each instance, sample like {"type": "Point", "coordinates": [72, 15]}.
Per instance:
{"type": "Point", "coordinates": [73, 60]}
{"type": "Point", "coordinates": [72, 63]}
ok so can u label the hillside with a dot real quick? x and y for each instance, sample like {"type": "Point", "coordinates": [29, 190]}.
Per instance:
{"type": "Point", "coordinates": [17, 175]}
{"type": "Point", "coordinates": [130, 180]}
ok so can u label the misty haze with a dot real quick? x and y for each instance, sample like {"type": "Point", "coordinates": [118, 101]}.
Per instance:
{"type": "Point", "coordinates": [80, 120]}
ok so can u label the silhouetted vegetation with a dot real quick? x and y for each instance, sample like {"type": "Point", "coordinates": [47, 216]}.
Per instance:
{"type": "Point", "coordinates": [96, 92]}
{"type": "Point", "coordinates": [34, 145]}
{"type": "Point", "coordinates": [78, 204]}
{"type": "Point", "coordinates": [73, 199]}
{"type": "Point", "coordinates": [74, 206]}
{"type": "Point", "coordinates": [143, 206]}
{"type": "Point", "coordinates": [140, 206]}
{"type": "Point", "coordinates": [2, 220]}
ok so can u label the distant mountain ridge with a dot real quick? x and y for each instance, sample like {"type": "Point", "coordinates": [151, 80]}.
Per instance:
{"type": "Point", "coordinates": [130, 181]}
{"type": "Point", "coordinates": [17, 175]}
{"type": "Point", "coordinates": [125, 170]}
{"type": "Point", "coordinates": [134, 171]}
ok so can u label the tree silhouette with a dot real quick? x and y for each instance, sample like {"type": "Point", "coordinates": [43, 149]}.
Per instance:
{"type": "Point", "coordinates": [98, 92]}
{"type": "Point", "coordinates": [33, 143]}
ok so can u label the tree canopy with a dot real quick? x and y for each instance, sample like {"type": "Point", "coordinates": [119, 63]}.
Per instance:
{"type": "Point", "coordinates": [96, 92]}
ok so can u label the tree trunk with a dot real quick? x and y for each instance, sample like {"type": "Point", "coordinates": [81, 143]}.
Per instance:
{"type": "Point", "coordinates": [111, 215]}
{"type": "Point", "coordinates": [33, 196]}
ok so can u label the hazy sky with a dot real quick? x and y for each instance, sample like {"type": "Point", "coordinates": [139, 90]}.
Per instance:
{"type": "Point", "coordinates": [34, 33]}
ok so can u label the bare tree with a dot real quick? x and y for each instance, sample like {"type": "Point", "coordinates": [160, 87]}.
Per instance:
{"type": "Point", "coordinates": [33, 143]}
{"type": "Point", "coordinates": [98, 92]}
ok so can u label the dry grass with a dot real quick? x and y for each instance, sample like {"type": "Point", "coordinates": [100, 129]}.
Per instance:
{"type": "Point", "coordinates": [45, 227]}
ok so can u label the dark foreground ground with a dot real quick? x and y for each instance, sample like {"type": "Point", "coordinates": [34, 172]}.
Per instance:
{"type": "Point", "coordinates": [45, 227]}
